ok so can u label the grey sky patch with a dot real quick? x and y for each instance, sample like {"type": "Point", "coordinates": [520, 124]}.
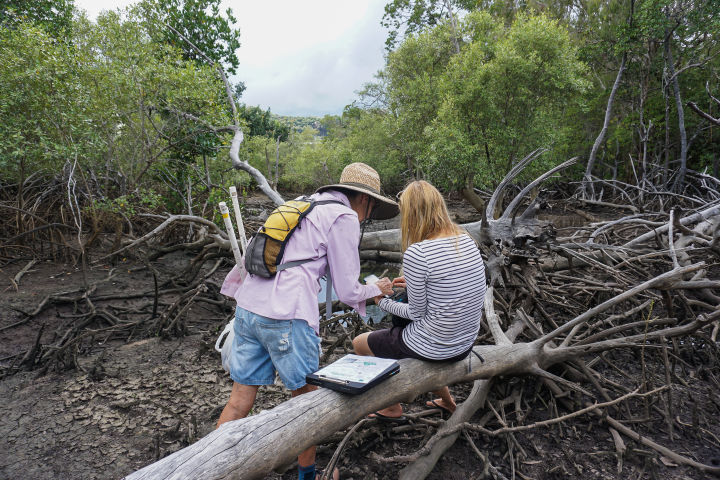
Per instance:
{"type": "Point", "coordinates": [299, 58]}
{"type": "Point", "coordinates": [321, 78]}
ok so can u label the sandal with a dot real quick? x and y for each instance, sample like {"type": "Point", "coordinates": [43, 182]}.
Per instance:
{"type": "Point", "coordinates": [384, 418]}
{"type": "Point", "coordinates": [434, 404]}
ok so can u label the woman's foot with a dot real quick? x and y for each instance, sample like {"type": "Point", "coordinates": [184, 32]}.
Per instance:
{"type": "Point", "coordinates": [393, 411]}
{"type": "Point", "coordinates": [442, 405]}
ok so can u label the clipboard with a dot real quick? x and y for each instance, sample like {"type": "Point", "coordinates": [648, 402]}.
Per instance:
{"type": "Point", "coordinates": [354, 374]}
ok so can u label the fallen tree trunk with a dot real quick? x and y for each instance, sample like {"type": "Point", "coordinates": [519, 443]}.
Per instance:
{"type": "Point", "coordinates": [507, 229]}
{"type": "Point", "coordinates": [248, 448]}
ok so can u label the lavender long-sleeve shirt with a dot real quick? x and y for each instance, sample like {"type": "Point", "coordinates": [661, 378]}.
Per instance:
{"type": "Point", "coordinates": [329, 233]}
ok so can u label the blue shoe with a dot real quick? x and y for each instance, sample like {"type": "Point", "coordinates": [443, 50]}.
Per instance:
{"type": "Point", "coordinates": [306, 473]}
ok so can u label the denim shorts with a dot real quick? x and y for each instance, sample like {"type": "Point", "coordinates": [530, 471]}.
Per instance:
{"type": "Point", "coordinates": [263, 345]}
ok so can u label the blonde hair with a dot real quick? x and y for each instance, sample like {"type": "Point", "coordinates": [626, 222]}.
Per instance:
{"type": "Point", "coordinates": [424, 214]}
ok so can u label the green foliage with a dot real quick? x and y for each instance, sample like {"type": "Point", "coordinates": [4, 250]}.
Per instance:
{"type": "Point", "coordinates": [110, 97]}
{"type": "Point", "coordinates": [199, 21]}
{"type": "Point", "coordinates": [413, 91]}
{"type": "Point", "coordinates": [308, 163]}
{"type": "Point", "coordinates": [45, 114]}
{"type": "Point", "coordinates": [54, 16]}
{"type": "Point", "coordinates": [456, 103]}
{"type": "Point", "coordinates": [414, 16]}
{"type": "Point", "coordinates": [131, 204]}
{"type": "Point", "coordinates": [367, 139]}
{"type": "Point", "coordinates": [298, 124]}
{"type": "Point", "coordinates": [464, 118]}
{"type": "Point", "coordinates": [263, 123]}
{"type": "Point", "coordinates": [148, 95]}
{"type": "Point", "coordinates": [506, 93]}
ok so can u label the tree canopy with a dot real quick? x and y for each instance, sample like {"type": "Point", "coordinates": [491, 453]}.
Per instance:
{"type": "Point", "coordinates": [468, 88]}
{"type": "Point", "coordinates": [55, 16]}
{"type": "Point", "coordinates": [199, 21]}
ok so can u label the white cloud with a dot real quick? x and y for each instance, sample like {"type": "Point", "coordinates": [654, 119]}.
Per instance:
{"type": "Point", "coordinates": [94, 7]}
{"type": "Point", "coordinates": [308, 58]}
{"type": "Point", "coordinates": [300, 58]}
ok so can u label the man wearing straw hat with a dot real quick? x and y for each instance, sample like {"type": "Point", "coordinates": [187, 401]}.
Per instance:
{"type": "Point", "coordinates": [277, 318]}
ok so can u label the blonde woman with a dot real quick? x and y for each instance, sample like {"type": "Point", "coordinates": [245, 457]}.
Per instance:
{"type": "Point", "coordinates": [445, 280]}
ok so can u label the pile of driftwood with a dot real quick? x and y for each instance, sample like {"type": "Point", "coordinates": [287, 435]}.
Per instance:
{"type": "Point", "coordinates": [56, 222]}
{"type": "Point", "coordinates": [561, 309]}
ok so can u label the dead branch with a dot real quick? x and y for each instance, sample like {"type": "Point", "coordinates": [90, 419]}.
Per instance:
{"type": "Point", "coordinates": [420, 467]}
{"type": "Point", "coordinates": [238, 136]}
{"type": "Point", "coordinates": [655, 446]}
{"type": "Point", "coordinates": [506, 429]}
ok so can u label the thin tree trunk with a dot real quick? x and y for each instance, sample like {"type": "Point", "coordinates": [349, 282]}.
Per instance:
{"type": "Point", "coordinates": [267, 165]}
{"type": "Point", "coordinates": [680, 179]}
{"type": "Point", "coordinates": [453, 24]}
{"type": "Point", "coordinates": [666, 166]}
{"type": "Point", "coordinates": [587, 189]}
{"type": "Point", "coordinates": [21, 201]}
{"type": "Point", "coordinates": [188, 200]}
{"type": "Point", "coordinates": [277, 162]}
{"type": "Point", "coordinates": [207, 173]}
{"type": "Point", "coordinates": [587, 182]}
{"type": "Point", "coordinates": [468, 192]}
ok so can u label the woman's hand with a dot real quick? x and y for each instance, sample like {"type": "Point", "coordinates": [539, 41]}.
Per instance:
{"type": "Point", "coordinates": [399, 282]}
{"type": "Point", "coordinates": [386, 287]}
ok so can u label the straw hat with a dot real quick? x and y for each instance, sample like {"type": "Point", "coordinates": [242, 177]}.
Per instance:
{"type": "Point", "coordinates": [363, 178]}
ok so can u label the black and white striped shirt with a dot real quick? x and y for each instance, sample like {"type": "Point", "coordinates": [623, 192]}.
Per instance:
{"type": "Point", "coordinates": [446, 289]}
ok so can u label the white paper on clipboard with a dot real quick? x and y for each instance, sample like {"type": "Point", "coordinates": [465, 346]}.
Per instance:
{"type": "Point", "coordinates": [356, 368]}
{"type": "Point", "coordinates": [371, 279]}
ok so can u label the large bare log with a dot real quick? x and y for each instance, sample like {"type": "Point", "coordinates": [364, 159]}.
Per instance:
{"type": "Point", "coordinates": [705, 219]}
{"type": "Point", "coordinates": [704, 214]}
{"type": "Point", "coordinates": [248, 448]}
{"type": "Point", "coordinates": [506, 229]}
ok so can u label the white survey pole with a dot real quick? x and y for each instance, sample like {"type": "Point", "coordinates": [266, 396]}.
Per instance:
{"type": "Point", "coordinates": [238, 218]}
{"type": "Point", "coordinates": [230, 231]}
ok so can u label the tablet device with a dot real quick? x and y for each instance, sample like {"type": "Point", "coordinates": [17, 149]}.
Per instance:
{"type": "Point", "coordinates": [354, 373]}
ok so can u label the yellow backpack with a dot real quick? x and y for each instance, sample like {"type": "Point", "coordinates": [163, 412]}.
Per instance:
{"type": "Point", "coordinates": [265, 250]}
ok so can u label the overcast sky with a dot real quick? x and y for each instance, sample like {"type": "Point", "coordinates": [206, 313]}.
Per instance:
{"type": "Point", "coordinates": [299, 58]}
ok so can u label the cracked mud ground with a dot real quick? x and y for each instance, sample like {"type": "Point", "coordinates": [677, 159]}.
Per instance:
{"type": "Point", "coordinates": [134, 402]}
{"type": "Point", "coordinates": [153, 398]}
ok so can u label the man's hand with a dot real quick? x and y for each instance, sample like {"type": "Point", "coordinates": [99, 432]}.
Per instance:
{"type": "Point", "coordinates": [399, 282]}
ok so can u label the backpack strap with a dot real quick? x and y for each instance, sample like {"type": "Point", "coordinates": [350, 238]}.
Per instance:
{"type": "Point", "coordinates": [326, 202]}
{"type": "Point", "coordinates": [328, 294]}
{"type": "Point", "coordinates": [294, 263]}
{"type": "Point", "coordinates": [328, 283]}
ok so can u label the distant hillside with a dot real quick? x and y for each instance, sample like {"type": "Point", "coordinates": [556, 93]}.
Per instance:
{"type": "Point", "coordinates": [301, 123]}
